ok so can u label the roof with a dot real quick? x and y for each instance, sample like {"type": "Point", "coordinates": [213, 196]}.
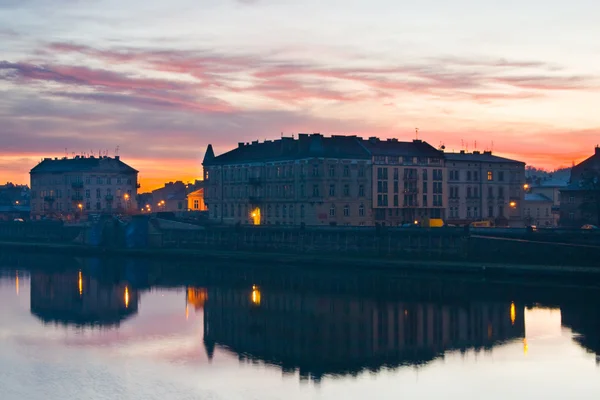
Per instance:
{"type": "Point", "coordinates": [317, 145]}
{"type": "Point", "coordinates": [487, 157]}
{"type": "Point", "coordinates": [551, 183]}
{"type": "Point", "coordinates": [393, 147]}
{"type": "Point", "coordinates": [82, 164]}
{"type": "Point", "coordinates": [537, 197]}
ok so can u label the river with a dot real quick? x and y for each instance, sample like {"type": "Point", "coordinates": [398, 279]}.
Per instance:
{"type": "Point", "coordinates": [74, 328]}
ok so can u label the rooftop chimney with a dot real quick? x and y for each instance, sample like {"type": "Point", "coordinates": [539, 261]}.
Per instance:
{"type": "Point", "coordinates": [117, 158]}
{"type": "Point", "coordinates": [462, 152]}
{"type": "Point", "coordinates": [240, 145]}
{"type": "Point", "coordinates": [597, 150]}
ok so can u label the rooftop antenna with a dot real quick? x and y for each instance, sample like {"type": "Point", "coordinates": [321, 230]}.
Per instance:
{"type": "Point", "coordinates": [66, 152]}
{"type": "Point", "coordinates": [417, 133]}
{"type": "Point", "coordinates": [117, 151]}
{"type": "Point", "coordinates": [475, 147]}
{"type": "Point", "coordinates": [492, 145]}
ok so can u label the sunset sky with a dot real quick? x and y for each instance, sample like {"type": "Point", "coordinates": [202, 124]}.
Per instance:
{"type": "Point", "coordinates": [163, 80]}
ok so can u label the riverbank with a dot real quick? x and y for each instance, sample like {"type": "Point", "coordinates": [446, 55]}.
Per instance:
{"type": "Point", "coordinates": [310, 260]}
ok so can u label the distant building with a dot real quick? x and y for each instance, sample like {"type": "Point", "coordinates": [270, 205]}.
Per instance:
{"type": "Point", "coordinates": [537, 210]}
{"type": "Point", "coordinates": [170, 198]}
{"type": "Point", "coordinates": [482, 186]}
{"type": "Point", "coordinates": [67, 187]}
{"type": "Point", "coordinates": [195, 201]}
{"type": "Point", "coordinates": [550, 189]}
{"type": "Point", "coordinates": [14, 195]}
{"type": "Point", "coordinates": [580, 200]}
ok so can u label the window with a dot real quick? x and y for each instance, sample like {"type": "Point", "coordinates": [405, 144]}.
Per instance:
{"type": "Point", "coordinates": [490, 212]}
{"type": "Point", "coordinates": [571, 216]}
{"type": "Point", "coordinates": [382, 187]}
{"type": "Point", "coordinates": [571, 199]}
{"type": "Point", "coordinates": [346, 210]}
{"type": "Point", "coordinates": [424, 200]}
{"type": "Point", "coordinates": [361, 172]}
{"type": "Point", "coordinates": [225, 210]}
{"type": "Point", "coordinates": [425, 174]}
{"type": "Point", "coordinates": [396, 187]}
{"type": "Point", "coordinates": [87, 193]}
{"type": "Point", "coordinates": [468, 212]}
{"type": "Point", "coordinates": [454, 175]}
{"type": "Point", "coordinates": [424, 187]}
{"type": "Point", "coordinates": [476, 192]}
{"type": "Point", "coordinates": [315, 170]}
{"type": "Point", "coordinates": [98, 194]}
{"type": "Point", "coordinates": [346, 190]}
{"type": "Point", "coordinates": [490, 192]}
{"type": "Point", "coordinates": [547, 212]}
{"type": "Point", "coordinates": [346, 171]}
{"type": "Point", "coordinates": [332, 210]}
{"type": "Point", "coordinates": [396, 174]}
{"type": "Point", "coordinates": [269, 208]}
{"type": "Point", "coordinates": [490, 176]}
{"type": "Point", "coordinates": [332, 190]}
{"type": "Point", "coordinates": [361, 210]}
{"type": "Point", "coordinates": [361, 191]}
{"type": "Point", "coordinates": [501, 192]}
{"type": "Point", "coordinates": [501, 176]}
{"type": "Point", "coordinates": [98, 206]}
{"type": "Point", "coordinates": [291, 211]}
{"type": "Point", "coordinates": [476, 212]}
{"type": "Point", "coordinates": [316, 190]}
{"type": "Point", "coordinates": [99, 181]}
{"type": "Point", "coordinates": [108, 181]}
{"type": "Point", "coordinates": [382, 173]}
{"type": "Point", "coordinates": [382, 200]}
{"type": "Point", "coordinates": [302, 170]}
{"type": "Point", "coordinates": [302, 211]}
{"type": "Point", "coordinates": [476, 175]}
{"type": "Point", "coordinates": [118, 181]}
{"type": "Point", "coordinates": [331, 171]}
{"type": "Point", "coordinates": [468, 175]}
{"type": "Point", "coordinates": [88, 206]}
{"type": "Point", "coordinates": [396, 200]}
{"type": "Point", "coordinates": [500, 211]}
{"type": "Point", "coordinates": [284, 211]}
{"type": "Point", "coordinates": [196, 204]}
{"type": "Point", "coordinates": [239, 210]}
{"type": "Point", "coordinates": [302, 190]}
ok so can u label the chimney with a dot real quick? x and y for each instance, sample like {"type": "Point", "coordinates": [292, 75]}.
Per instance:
{"type": "Point", "coordinates": [462, 152]}
{"type": "Point", "coordinates": [240, 145]}
{"type": "Point", "coordinates": [488, 152]}
{"type": "Point", "coordinates": [117, 158]}
{"type": "Point", "coordinates": [597, 150]}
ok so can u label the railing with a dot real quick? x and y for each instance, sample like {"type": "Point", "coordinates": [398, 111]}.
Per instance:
{"type": "Point", "coordinates": [77, 185]}
{"type": "Point", "coordinates": [109, 197]}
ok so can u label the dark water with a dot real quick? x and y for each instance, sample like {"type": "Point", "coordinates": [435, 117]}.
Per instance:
{"type": "Point", "coordinates": [135, 329]}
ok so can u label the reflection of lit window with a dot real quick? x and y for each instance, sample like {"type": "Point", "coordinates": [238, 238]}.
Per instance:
{"type": "Point", "coordinates": [126, 297]}
{"type": "Point", "coordinates": [513, 313]}
{"type": "Point", "coordinates": [255, 295]}
{"type": "Point", "coordinates": [80, 284]}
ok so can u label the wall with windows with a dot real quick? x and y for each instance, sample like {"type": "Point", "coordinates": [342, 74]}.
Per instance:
{"type": "Point", "coordinates": [291, 192]}
{"type": "Point", "coordinates": [485, 191]}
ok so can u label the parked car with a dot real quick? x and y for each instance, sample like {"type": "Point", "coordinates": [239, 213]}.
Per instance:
{"type": "Point", "coordinates": [589, 226]}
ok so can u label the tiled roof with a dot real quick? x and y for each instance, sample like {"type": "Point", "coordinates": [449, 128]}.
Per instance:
{"type": "Point", "coordinates": [82, 164]}
{"type": "Point", "coordinates": [480, 157]}
{"type": "Point", "coordinates": [536, 197]}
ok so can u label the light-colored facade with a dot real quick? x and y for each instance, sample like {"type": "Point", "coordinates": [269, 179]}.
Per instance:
{"type": "Point", "coordinates": [409, 181]}
{"type": "Point", "coordinates": [551, 190]}
{"type": "Point", "coordinates": [195, 200]}
{"type": "Point", "coordinates": [64, 188]}
{"type": "Point", "coordinates": [537, 211]}
{"type": "Point", "coordinates": [482, 186]}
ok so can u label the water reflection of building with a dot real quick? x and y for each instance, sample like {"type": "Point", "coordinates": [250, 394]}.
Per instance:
{"type": "Point", "coordinates": [584, 321]}
{"type": "Point", "coordinates": [320, 335]}
{"type": "Point", "coordinates": [71, 297]}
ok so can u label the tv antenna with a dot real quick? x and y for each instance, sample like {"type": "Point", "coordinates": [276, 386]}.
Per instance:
{"type": "Point", "coordinates": [117, 151]}
{"type": "Point", "coordinates": [417, 133]}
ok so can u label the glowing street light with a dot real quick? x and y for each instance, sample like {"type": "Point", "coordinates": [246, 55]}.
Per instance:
{"type": "Point", "coordinates": [80, 206]}
{"type": "Point", "coordinates": [526, 186]}
{"type": "Point", "coordinates": [513, 204]}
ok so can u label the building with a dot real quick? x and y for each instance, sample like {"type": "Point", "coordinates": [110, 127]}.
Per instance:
{"type": "Point", "coordinates": [482, 186]}
{"type": "Point", "coordinates": [408, 181]}
{"type": "Point", "coordinates": [551, 189]}
{"type": "Point", "coordinates": [68, 187]}
{"type": "Point", "coordinates": [14, 195]}
{"type": "Point", "coordinates": [312, 180]}
{"type": "Point", "coordinates": [537, 210]}
{"type": "Point", "coordinates": [580, 199]}
{"type": "Point", "coordinates": [170, 198]}
{"type": "Point", "coordinates": [195, 200]}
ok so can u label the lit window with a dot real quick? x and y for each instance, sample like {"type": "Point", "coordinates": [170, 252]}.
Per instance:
{"type": "Point", "coordinates": [490, 176]}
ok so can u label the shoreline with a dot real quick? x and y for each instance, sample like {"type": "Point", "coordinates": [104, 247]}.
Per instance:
{"type": "Point", "coordinates": [340, 263]}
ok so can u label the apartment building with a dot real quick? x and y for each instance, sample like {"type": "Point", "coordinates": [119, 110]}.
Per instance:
{"type": "Point", "coordinates": [580, 200]}
{"type": "Point", "coordinates": [312, 180]}
{"type": "Point", "coordinates": [74, 187]}
{"type": "Point", "coordinates": [409, 181]}
{"type": "Point", "coordinates": [482, 186]}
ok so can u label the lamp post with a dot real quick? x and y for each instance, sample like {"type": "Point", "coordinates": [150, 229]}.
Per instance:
{"type": "Point", "coordinates": [126, 197]}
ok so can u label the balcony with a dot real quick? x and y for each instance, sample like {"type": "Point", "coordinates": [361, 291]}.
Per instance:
{"type": "Point", "coordinates": [109, 197]}
{"type": "Point", "coordinates": [77, 197]}
{"type": "Point", "coordinates": [255, 199]}
{"type": "Point", "coordinates": [411, 178]}
{"type": "Point", "coordinates": [49, 199]}
{"type": "Point", "coordinates": [255, 180]}
{"type": "Point", "coordinates": [411, 191]}
{"type": "Point", "coordinates": [77, 185]}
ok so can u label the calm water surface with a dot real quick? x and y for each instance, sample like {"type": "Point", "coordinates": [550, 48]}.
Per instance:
{"type": "Point", "coordinates": [125, 329]}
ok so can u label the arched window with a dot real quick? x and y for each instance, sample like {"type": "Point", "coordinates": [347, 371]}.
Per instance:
{"type": "Point", "coordinates": [361, 210]}
{"type": "Point", "coordinates": [332, 210]}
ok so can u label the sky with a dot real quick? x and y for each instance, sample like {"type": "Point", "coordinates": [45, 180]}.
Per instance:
{"type": "Point", "coordinates": [162, 80]}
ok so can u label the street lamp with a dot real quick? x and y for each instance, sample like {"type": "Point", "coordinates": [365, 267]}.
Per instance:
{"type": "Point", "coordinates": [513, 204]}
